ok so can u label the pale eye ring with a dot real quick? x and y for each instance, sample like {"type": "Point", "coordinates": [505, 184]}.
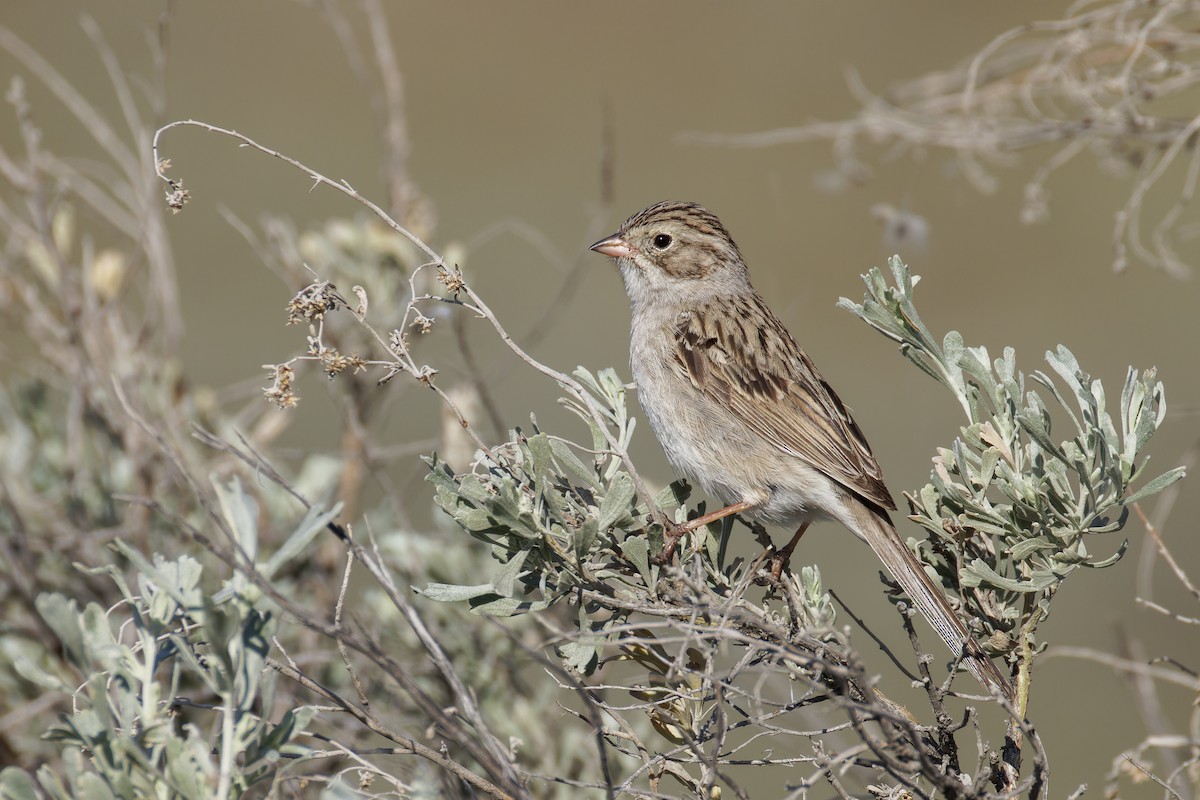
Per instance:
{"type": "Point", "coordinates": [662, 241]}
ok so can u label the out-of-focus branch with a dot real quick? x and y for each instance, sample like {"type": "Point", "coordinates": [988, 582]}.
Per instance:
{"type": "Point", "coordinates": [1116, 81]}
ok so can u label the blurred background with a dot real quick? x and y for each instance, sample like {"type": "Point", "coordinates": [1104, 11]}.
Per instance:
{"type": "Point", "coordinates": [535, 128]}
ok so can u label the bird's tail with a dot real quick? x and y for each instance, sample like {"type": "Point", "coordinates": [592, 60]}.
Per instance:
{"type": "Point", "coordinates": [874, 526]}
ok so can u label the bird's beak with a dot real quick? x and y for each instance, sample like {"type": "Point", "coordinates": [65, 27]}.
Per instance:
{"type": "Point", "coordinates": [614, 247]}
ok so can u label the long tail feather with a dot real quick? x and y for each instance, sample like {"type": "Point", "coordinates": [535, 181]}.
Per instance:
{"type": "Point", "coordinates": [875, 527]}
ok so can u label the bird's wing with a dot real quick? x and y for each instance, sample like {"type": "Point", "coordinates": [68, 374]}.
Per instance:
{"type": "Point", "coordinates": [761, 375]}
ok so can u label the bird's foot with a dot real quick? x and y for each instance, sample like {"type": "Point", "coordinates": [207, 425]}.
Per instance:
{"type": "Point", "coordinates": [779, 560]}
{"type": "Point", "coordinates": [778, 563]}
{"type": "Point", "coordinates": [672, 533]}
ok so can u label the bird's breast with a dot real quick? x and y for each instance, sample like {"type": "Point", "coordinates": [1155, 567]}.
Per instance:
{"type": "Point", "coordinates": [708, 444]}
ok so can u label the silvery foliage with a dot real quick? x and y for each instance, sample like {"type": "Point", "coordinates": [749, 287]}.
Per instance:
{"type": "Point", "coordinates": [133, 731]}
{"type": "Point", "coordinates": [1010, 509]}
{"type": "Point", "coordinates": [564, 519]}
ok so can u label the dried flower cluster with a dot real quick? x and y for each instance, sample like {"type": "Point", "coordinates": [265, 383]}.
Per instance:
{"type": "Point", "coordinates": [280, 391]}
{"type": "Point", "coordinates": [313, 302]}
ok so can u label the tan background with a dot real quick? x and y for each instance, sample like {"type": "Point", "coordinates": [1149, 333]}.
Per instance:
{"type": "Point", "coordinates": [505, 112]}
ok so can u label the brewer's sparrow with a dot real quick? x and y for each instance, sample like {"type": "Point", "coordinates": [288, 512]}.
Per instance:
{"type": "Point", "coordinates": [739, 407]}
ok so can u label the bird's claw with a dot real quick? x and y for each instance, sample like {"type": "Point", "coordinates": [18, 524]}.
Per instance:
{"type": "Point", "coordinates": [672, 533]}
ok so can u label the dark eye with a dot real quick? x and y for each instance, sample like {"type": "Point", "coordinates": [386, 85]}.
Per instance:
{"type": "Point", "coordinates": [662, 241]}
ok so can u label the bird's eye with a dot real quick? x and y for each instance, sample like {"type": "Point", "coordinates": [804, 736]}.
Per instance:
{"type": "Point", "coordinates": [662, 241]}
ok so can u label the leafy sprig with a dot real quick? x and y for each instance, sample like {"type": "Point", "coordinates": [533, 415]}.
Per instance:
{"type": "Point", "coordinates": [1010, 508]}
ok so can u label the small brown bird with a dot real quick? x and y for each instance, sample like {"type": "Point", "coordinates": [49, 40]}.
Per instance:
{"type": "Point", "coordinates": [740, 409]}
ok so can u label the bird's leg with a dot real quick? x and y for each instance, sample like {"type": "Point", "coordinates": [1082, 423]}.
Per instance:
{"type": "Point", "coordinates": [674, 531]}
{"type": "Point", "coordinates": [780, 560]}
